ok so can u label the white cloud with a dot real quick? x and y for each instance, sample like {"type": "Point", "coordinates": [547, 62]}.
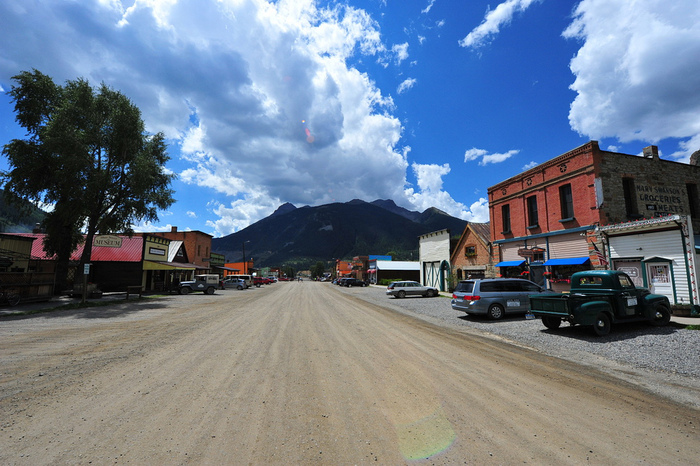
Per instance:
{"type": "Point", "coordinates": [406, 85]}
{"type": "Point", "coordinates": [428, 7]}
{"type": "Point", "coordinates": [401, 52]}
{"type": "Point", "coordinates": [230, 82]}
{"type": "Point", "coordinates": [494, 19]}
{"type": "Point", "coordinates": [474, 154]}
{"type": "Point", "coordinates": [430, 194]}
{"type": "Point", "coordinates": [486, 157]}
{"type": "Point", "coordinates": [530, 165]}
{"type": "Point", "coordinates": [637, 72]}
{"type": "Point", "coordinates": [191, 214]}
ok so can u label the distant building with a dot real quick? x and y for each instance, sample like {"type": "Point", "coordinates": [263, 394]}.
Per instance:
{"type": "Point", "coordinates": [434, 250]}
{"type": "Point", "coordinates": [471, 258]}
{"type": "Point", "coordinates": [393, 270]}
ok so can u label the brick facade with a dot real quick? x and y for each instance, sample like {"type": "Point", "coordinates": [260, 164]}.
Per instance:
{"type": "Point", "coordinates": [472, 254]}
{"type": "Point", "coordinates": [197, 245]}
{"type": "Point", "coordinates": [558, 204]}
{"type": "Point", "coordinates": [660, 187]}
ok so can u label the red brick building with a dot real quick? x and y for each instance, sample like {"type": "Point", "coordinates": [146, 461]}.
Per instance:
{"type": "Point", "coordinates": [545, 222]}
{"type": "Point", "coordinates": [197, 245]}
{"type": "Point", "coordinates": [471, 257]}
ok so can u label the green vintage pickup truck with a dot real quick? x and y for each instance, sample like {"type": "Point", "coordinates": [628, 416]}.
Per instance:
{"type": "Point", "coordinates": [600, 298]}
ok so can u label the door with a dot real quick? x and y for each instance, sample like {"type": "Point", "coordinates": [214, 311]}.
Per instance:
{"type": "Point", "coordinates": [659, 274]}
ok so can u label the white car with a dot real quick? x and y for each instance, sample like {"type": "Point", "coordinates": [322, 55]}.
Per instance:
{"type": "Point", "coordinates": [410, 288]}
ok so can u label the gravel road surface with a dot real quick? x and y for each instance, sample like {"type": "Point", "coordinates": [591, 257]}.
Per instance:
{"type": "Point", "coordinates": [308, 373]}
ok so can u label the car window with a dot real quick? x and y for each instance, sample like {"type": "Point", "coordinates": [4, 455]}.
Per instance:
{"type": "Point", "coordinates": [465, 287]}
{"type": "Point", "coordinates": [625, 281]}
{"type": "Point", "coordinates": [511, 285]}
{"type": "Point", "coordinates": [531, 286]}
{"type": "Point", "coordinates": [489, 287]}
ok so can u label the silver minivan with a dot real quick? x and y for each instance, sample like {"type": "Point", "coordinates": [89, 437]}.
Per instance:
{"type": "Point", "coordinates": [494, 297]}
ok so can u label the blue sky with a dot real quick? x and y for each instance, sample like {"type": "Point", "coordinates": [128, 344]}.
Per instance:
{"type": "Point", "coordinates": [426, 102]}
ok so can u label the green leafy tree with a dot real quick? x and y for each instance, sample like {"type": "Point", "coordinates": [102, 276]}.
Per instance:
{"type": "Point", "coordinates": [88, 155]}
{"type": "Point", "coordinates": [289, 271]}
{"type": "Point", "coordinates": [318, 269]}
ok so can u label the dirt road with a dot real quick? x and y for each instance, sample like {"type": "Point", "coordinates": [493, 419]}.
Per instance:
{"type": "Point", "coordinates": [299, 373]}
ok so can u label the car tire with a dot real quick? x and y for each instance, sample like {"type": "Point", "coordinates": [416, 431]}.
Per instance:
{"type": "Point", "coordinates": [210, 290]}
{"type": "Point", "coordinates": [429, 294]}
{"type": "Point", "coordinates": [401, 294]}
{"type": "Point", "coordinates": [184, 290]}
{"type": "Point", "coordinates": [662, 316]}
{"type": "Point", "coordinates": [552, 323]}
{"type": "Point", "coordinates": [496, 312]}
{"type": "Point", "coordinates": [602, 324]}
{"type": "Point", "coordinates": [239, 287]}
{"type": "Point", "coordinates": [12, 298]}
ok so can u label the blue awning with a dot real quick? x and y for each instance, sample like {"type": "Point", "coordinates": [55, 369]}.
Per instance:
{"type": "Point", "coordinates": [511, 263]}
{"type": "Point", "coordinates": [568, 261]}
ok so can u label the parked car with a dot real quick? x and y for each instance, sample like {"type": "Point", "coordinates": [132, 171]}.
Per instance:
{"type": "Point", "coordinates": [237, 283]}
{"type": "Point", "coordinates": [494, 297]}
{"type": "Point", "coordinates": [600, 298]}
{"type": "Point", "coordinates": [259, 281]}
{"type": "Point", "coordinates": [353, 282]}
{"type": "Point", "coordinates": [341, 281]}
{"type": "Point", "coordinates": [206, 283]}
{"type": "Point", "coordinates": [410, 288]}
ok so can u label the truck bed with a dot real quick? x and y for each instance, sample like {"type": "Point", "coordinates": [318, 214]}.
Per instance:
{"type": "Point", "coordinates": [562, 304]}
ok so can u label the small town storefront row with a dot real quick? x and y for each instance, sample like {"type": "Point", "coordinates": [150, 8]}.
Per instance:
{"type": "Point", "coordinates": [150, 262]}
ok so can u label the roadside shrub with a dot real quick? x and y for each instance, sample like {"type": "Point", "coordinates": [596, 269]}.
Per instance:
{"type": "Point", "coordinates": [387, 281]}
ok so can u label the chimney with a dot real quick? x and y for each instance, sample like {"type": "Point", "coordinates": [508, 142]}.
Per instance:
{"type": "Point", "coordinates": [651, 152]}
{"type": "Point", "coordinates": [173, 229]}
{"type": "Point", "coordinates": [37, 228]}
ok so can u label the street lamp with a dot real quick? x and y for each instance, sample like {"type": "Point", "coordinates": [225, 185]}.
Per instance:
{"type": "Point", "coordinates": [244, 259]}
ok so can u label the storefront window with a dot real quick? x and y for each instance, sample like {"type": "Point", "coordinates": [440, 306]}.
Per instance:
{"type": "Point", "coordinates": [559, 276]}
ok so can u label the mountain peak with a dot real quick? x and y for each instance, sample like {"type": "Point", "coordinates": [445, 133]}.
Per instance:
{"type": "Point", "coordinates": [283, 209]}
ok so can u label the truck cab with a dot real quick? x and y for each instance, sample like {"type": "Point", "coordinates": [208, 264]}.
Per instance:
{"type": "Point", "coordinates": [206, 283]}
{"type": "Point", "coordinates": [600, 298]}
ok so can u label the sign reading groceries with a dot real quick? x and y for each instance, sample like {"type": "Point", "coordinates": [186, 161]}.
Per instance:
{"type": "Point", "coordinates": [107, 241]}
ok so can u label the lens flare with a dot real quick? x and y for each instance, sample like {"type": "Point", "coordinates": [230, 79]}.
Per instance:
{"type": "Point", "coordinates": [309, 136]}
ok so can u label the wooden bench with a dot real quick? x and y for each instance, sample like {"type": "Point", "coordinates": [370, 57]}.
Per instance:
{"type": "Point", "coordinates": [134, 290]}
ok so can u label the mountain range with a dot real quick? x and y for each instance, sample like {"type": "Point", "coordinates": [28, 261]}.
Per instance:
{"type": "Point", "coordinates": [301, 236]}
{"type": "Point", "coordinates": [17, 215]}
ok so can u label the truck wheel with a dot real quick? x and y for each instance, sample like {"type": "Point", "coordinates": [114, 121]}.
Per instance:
{"type": "Point", "coordinates": [210, 290]}
{"type": "Point", "coordinates": [661, 316]}
{"type": "Point", "coordinates": [551, 323]}
{"type": "Point", "coordinates": [184, 290]}
{"type": "Point", "coordinates": [12, 297]}
{"type": "Point", "coordinates": [601, 326]}
{"type": "Point", "coordinates": [495, 312]}
{"type": "Point", "coordinates": [401, 294]}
